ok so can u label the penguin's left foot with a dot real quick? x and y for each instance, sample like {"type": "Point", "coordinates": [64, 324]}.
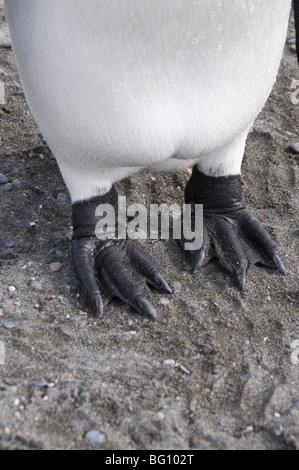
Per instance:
{"type": "Point", "coordinates": [231, 233]}
{"type": "Point", "coordinates": [118, 268]}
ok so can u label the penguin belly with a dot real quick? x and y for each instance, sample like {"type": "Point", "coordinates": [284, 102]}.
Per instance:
{"type": "Point", "coordinates": [118, 86]}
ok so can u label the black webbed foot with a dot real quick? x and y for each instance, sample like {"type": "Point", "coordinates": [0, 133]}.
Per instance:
{"type": "Point", "coordinates": [231, 233]}
{"type": "Point", "coordinates": [117, 268]}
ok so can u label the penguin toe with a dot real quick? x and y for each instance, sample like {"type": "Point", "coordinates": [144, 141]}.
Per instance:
{"type": "Point", "coordinates": [238, 240]}
{"type": "Point", "coordinates": [82, 250]}
{"type": "Point", "coordinates": [119, 269]}
{"type": "Point", "coordinates": [146, 266]}
{"type": "Point", "coordinates": [125, 270]}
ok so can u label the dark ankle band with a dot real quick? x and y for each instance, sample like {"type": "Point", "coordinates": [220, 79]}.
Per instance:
{"type": "Point", "coordinates": [217, 194]}
{"type": "Point", "coordinates": [84, 218]}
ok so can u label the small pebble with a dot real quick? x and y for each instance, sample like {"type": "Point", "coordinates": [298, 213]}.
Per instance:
{"type": "Point", "coordinates": [95, 436]}
{"type": "Point", "coordinates": [8, 186]}
{"type": "Point", "coordinates": [249, 429]}
{"type": "Point", "coordinates": [55, 266]}
{"type": "Point", "coordinates": [75, 393]}
{"type": "Point", "coordinates": [40, 383]}
{"type": "Point", "coordinates": [168, 362]}
{"type": "Point", "coordinates": [3, 179]}
{"type": "Point", "coordinates": [164, 301]}
{"type": "Point", "coordinates": [8, 326]}
{"type": "Point", "coordinates": [183, 369]}
{"type": "Point", "coordinates": [16, 183]}
{"type": "Point", "coordinates": [206, 350]}
{"type": "Point", "coordinates": [294, 147]}
{"type": "Point", "coordinates": [11, 288]}
{"type": "Point", "coordinates": [277, 429]}
{"type": "Point", "coordinates": [9, 245]}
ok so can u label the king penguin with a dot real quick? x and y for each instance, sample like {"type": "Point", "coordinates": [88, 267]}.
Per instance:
{"type": "Point", "coordinates": [116, 87]}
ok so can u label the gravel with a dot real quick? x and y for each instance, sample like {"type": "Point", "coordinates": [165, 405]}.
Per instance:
{"type": "Point", "coordinates": [184, 369]}
{"type": "Point", "coordinates": [7, 187]}
{"type": "Point", "coordinates": [168, 362]}
{"type": "Point", "coordinates": [16, 183]}
{"type": "Point", "coordinates": [207, 350]}
{"type": "Point", "coordinates": [3, 179]}
{"type": "Point", "coordinates": [94, 436]}
{"type": "Point", "coordinates": [277, 429]}
{"type": "Point", "coordinates": [8, 326]}
{"type": "Point", "coordinates": [295, 147]}
{"type": "Point", "coordinates": [40, 383]}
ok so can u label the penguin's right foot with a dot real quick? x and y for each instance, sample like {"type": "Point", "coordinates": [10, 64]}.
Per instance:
{"type": "Point", "coordinates": [231, 233]}
{"type": "Point", "coordinates": [118, 268]}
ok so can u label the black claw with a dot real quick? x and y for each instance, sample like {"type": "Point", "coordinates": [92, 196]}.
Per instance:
{"type": "Point", "coordinates": [145, 306]}
{"type": "Point", "coordinates": [83, 264]}
{"type": "Point", "coordinates": [98, 303]}
{"type": "Point", "coordinates": [199, 260]}
{"type": "Point", "coordinates": [162, 283]}
{"type": "Point", "coordinates": [241, 275]}
{"type": "Point", "coordinates": [277, 261]}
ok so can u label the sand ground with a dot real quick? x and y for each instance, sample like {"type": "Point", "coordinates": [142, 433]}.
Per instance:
{"type": "Point", "coordinates": [230, 380]}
